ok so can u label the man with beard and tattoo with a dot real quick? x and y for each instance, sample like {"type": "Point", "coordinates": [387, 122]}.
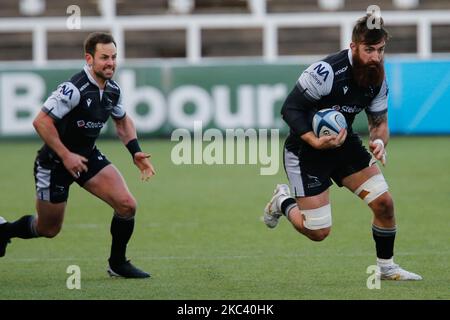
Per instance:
{"type": "Point", "coordinates": [350, 81]}
{"type": "Point", "coordinates": [69, 124]}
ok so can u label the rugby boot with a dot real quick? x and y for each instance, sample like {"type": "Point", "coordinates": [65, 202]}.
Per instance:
{"type": "Point", "coordinates": [125, 270]}
{"type": "Point", "coordinates": [272, 211]}
{"type": "Point", "coordinates": [394, 272]}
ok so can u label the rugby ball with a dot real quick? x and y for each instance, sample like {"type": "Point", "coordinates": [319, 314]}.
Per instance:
{"type": "Point", "coordinates": [328, 122]}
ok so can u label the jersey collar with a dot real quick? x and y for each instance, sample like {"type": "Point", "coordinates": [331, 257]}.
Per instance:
{"type": "Point", "coordinates": [350, 56]}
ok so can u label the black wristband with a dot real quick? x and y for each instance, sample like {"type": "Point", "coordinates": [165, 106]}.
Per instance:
{"type": "Point", "coordinates": [133, 147]}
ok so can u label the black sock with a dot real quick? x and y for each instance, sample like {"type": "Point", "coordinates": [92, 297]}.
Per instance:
{"type": "Point", "coordinates": [121, 230]}
{"type": "Point", "coordinates": [287, 205]}
{"type": "Point", "coordinates": [384, 241]}
{"type": "Point", "coordinates": [23, 228]}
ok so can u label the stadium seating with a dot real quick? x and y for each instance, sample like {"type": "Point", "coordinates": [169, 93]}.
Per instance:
{"type": "Point", "coordinates": [53, 8]}
{"type": "Point", "coordinates": [15, 46]}
{"type": "Point", "coordinates": [155, 44]}
{"type": "Point", "coordinates": [141, 7]}
{"type": "Point", "coordinates": [215, 42]}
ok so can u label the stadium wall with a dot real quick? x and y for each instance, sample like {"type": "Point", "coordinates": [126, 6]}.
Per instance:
{"type": "Point", "coordinates": [168, 96]}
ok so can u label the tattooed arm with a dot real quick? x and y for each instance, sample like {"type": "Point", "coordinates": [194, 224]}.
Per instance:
{"type": "Point", "coordinates": [378, 127]}
{"type": "Point", "coordinates": [378, 135]}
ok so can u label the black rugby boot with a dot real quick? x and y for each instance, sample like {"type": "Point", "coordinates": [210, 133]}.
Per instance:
{"type": "Point", "coordinates": [125, 270]}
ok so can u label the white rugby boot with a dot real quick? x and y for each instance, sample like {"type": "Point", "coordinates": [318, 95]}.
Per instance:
{"type": "Point", "coordinates": [394, 272]}
{"type": "Point", "coordinates": [272, 211]}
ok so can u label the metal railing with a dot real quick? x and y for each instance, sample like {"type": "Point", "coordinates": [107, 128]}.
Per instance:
{"type": "Point", "coordinates": [194, 24]}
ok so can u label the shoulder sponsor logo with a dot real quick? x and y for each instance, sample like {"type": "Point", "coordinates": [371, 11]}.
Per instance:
{"type": "Point", "coordinates": [341, 71]}
{"type": "Point", "coordinates": [65, 90]}
{"type": "Point", "coordinates": [321, 71]}
{"type": "Point", "coordinates": [314, 76]}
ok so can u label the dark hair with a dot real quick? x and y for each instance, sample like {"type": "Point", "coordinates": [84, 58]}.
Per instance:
{"type": "Point", "coordinates": [362, 33]}
{"type": "Point", "coordinates": [97, 37]}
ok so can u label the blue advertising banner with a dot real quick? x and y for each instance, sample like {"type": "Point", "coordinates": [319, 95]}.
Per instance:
{"type": "Point", "coordinates": [419, 97]}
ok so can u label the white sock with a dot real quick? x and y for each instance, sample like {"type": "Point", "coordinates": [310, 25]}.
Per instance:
{"type": "Point", "coordinates": [385, 262]}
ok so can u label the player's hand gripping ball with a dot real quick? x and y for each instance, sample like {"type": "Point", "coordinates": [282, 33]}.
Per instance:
{"type": "Point", "coordinates": [328, 122]}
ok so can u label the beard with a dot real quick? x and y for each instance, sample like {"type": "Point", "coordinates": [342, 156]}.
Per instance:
{"type": "Point", "coordinates": [103, 76]}
{"type": "Point", "coordinates": [101, 73]}
{"type": "Point", "coordinates": [367, 74]}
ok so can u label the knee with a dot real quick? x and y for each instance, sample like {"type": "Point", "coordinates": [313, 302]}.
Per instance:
{"type": "Point", "coordinates": [126, 207]}
{"type": "Point", "coordinates": [49, 232]}
{"type": "Point", "coordinates": [383, 206]}
{"type": "Point", "coordinates": [319, 235]}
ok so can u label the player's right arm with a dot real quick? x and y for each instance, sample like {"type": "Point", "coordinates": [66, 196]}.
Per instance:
{"type": "Point", "coordinates": [62, 100]}
{"type": "Point", "coordinates": [325, 142]}
{"type": "Point", "coordinates": [301, 104]}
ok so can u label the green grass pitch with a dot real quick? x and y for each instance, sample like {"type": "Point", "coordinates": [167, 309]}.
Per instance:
{"type": "Point", "coordinates": [199, 233]}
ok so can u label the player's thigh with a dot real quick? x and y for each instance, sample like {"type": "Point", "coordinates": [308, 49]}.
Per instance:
{"type": "Point", "coordinates": [370, 185]}
{"type": "Point", "coordinates": [308, 172]}
{"type": "Point", "coordinates": [109, 185]}
{"type": "Point", "coordinates": [309, 177]}
{"type": "Point", "coordinates": [52, 184]}
{"type": "Point", "coordinates": [315, 211]}
{"type": "Point", "coordinates": [355, 180]}
{"type": "Point", "coordinates": [313, 202]}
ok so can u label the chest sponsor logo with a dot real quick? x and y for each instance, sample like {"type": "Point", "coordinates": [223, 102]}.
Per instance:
{"type": "Point", "coordinates": [348, 109]}
{"type": "Point", "coordinates": [88, 102]}
{"type": "Point", "coordinates": [90, 124]}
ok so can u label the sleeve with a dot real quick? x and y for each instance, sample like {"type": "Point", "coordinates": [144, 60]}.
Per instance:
{"type": "Point", "coordinates": [300, 105]}
{"type": "Point", "coordinates": [118, 111]}
{"type": "Point", "coordinates": [62, 100]}
{"type": "Point", "coordinates": [379, 103]}
{"type": "Point", "coordinates": [316, 80]}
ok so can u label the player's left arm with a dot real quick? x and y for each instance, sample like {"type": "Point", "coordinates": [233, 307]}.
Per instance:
{"type": "Point", "coordinates": [378, 124]}
{"type": "Point", "coordinates": [378, 135]}
{"type": "Point", "coordinates": [126, 131]}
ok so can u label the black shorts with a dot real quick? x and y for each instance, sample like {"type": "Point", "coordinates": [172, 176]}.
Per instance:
{"type": "Point", "coordinates": [311, 171]}
{"type": "Point", "coordinates": [53, 180]}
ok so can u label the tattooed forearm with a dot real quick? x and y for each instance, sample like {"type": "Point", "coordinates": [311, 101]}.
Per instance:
{"type": "Point", "coordinates": [378, 127]}
{"type": "Point", "coordinates": [376, 120]}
